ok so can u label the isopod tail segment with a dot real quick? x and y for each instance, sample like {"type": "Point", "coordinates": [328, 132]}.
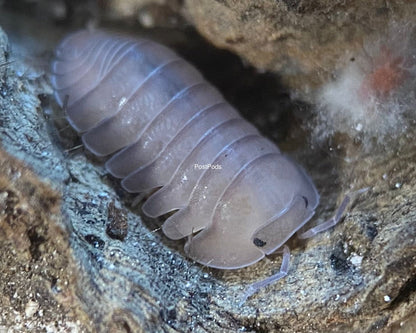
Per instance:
{"type": "Point", "coordinates": [284, 267]}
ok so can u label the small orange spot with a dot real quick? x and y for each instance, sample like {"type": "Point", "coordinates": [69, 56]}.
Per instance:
{"type": "Point", "coordinates": [385, 78]}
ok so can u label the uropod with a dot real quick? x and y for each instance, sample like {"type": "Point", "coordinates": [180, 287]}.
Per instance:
{"type": "Point", "coordinates": [234, 195]}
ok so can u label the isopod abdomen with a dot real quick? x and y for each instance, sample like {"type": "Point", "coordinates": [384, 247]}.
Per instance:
{"type": "Point", "coordinates": [233, 194]}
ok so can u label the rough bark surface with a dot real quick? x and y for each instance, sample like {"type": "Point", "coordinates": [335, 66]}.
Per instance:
{"type": "Point", "coordinates": [304, 41]}
{"type": "Point", "coordinates": [359, 277]}
{"type": "Point", "coordinates": [38, 273]}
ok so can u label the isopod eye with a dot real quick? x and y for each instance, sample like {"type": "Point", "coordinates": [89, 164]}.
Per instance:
{"type": "Point", "coordinates": [258, 242]}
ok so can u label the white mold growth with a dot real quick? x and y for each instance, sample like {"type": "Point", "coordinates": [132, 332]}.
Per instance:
{"type": "Point", "coordinates": [372, 97]}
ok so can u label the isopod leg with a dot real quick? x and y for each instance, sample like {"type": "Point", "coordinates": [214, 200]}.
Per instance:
{"type": "Point", "coordinates": [255, 287]}
{"type": "Point", "coordinates": [333, 220]}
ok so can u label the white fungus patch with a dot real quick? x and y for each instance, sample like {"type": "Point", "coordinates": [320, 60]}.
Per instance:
{"type": "Point", "coordinates": [356, 259]}
{"type": "Point", "coordinates": [372, 97]}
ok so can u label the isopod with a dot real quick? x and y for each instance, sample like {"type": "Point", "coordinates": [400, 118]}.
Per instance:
{"type": "Point", "coordinates": [236, 197]}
